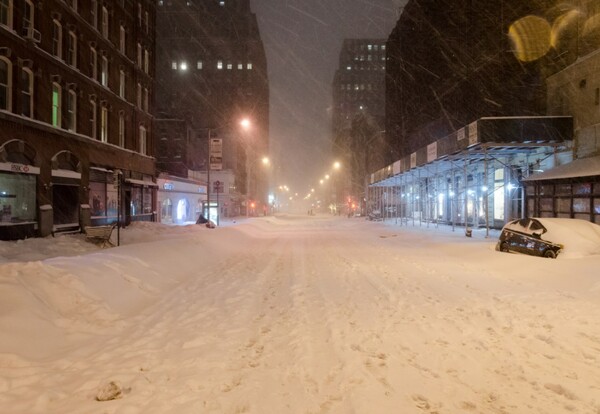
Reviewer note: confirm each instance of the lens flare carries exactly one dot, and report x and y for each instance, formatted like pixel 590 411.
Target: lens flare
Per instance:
pixel 530 37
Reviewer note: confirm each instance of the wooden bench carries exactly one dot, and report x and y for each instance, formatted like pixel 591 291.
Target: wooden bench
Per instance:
pixel 100 234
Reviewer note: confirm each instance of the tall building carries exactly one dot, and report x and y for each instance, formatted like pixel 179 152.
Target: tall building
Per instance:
pixel 452 62
pixel 211 74
pixel 75 114
pixel 358 115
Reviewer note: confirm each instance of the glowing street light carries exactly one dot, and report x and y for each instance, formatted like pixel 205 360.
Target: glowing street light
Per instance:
pixel 337 165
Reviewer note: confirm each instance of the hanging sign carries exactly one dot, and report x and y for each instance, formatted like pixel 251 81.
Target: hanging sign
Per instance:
pixel 216 154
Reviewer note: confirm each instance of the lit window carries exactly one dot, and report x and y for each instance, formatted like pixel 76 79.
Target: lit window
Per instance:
pixel 139 55
pixel 240 66
pixel 93 120
pixel 249 67
pixel 229 66
pixel 26 92
pixel 105 22
pixel 220 64
pixel 6 11
pixel 5 84
pixel 174 65
pixel 161 2
pixel 183 66
pixel 146 22
pixel 199 64
pixel 72 52
pixel 122 84
pixel 57 39
pixel 382 47
pixel 104 74
pixel 104 124
pixel 142 143
pixel 369 47
pixel 221 3
pixel 56 104
pixel 72 111
pixel 121 130
pixel 348 67
pixel 139 9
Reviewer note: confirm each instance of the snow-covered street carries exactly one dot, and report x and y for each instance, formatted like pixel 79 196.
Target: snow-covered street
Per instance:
pixel 297 314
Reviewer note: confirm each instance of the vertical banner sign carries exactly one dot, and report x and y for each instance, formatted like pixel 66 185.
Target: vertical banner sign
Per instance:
pixel 216 154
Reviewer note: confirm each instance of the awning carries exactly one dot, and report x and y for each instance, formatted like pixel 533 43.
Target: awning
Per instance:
pixel 141 182
pixel 582 167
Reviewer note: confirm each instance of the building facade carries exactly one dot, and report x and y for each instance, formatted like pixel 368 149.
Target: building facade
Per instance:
pixel 212 73
pixel 75 114
pixel 358 115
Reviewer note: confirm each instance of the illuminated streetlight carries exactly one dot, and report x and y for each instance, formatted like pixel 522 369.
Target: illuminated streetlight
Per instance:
pixel 266 161
pixel 245 123
pixel 337 165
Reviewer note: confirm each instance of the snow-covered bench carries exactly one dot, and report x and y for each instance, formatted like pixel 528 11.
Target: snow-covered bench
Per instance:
pixel 100 234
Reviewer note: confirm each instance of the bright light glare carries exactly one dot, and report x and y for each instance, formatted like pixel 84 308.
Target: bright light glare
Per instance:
pixel 183 66
pixel 266 161
pixel 337 165
pixel 245 123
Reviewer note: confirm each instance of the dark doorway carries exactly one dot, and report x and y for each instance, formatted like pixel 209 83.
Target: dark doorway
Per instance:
pixel 65 205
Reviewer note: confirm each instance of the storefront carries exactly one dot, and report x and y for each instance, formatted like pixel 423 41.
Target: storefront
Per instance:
pixel 18 205
pixel 180 201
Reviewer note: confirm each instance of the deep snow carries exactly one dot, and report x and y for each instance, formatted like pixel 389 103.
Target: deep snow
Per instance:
pixel 296 315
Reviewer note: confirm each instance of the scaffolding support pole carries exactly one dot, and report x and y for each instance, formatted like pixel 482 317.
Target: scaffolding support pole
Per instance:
pixel 487 192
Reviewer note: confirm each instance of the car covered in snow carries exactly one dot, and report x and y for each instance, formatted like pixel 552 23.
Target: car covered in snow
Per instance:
pixel 547 237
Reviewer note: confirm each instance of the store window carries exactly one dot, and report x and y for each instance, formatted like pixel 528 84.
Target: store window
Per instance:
pixel 17 197
pixel 166 212
pixel 147 197
pixel 136 201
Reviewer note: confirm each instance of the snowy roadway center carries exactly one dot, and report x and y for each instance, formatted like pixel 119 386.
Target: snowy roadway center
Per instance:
pixel 296 315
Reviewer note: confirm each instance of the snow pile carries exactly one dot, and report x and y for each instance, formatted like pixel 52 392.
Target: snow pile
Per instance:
pixel 579 237
pixel 296 315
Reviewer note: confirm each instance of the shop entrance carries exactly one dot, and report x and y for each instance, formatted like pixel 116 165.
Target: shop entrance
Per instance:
pixel 65 199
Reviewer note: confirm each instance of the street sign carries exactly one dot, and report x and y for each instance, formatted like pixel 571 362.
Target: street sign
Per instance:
pixel 218 187
pixel 216 154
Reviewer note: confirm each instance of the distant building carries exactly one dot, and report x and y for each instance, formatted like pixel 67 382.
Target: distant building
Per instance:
pixel 451 62
pixel 211 73
pixel 358 112
pixel 76 93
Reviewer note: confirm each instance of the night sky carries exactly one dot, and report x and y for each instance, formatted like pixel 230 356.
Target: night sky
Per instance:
pixel 303 39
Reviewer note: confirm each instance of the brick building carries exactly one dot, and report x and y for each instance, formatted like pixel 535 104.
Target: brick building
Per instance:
pixel 76 91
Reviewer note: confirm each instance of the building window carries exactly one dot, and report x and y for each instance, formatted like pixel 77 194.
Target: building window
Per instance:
pixel 73 4
pixel 142 144
pixel 183 66
pixel 122 84
pixel 229 66
pixel 104 124
pixel 121 130
pixel 93 119
pixel 139 96
pixel 139 14
pixel 122 39
pixel 220 64
pixel 174 65
pixel 240 66
pixel 199 65
pixel 93 63
pixel 147 22
pixel 249 67
pixel 5 84
pixel 146 61
pixel 104 72
pixel 6 12
pixel 27 92
pixel 94 13
pixel 105 22
pixel 72 111
pixel 72 53
pixel 146 99
pixel 139 55
pixel 56 104
pixel 57 39
pixel 28 15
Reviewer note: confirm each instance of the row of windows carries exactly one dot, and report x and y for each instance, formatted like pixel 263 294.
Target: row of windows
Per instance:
pixel 6 15
pixel 358 87
pixel 26 89
pixel 220 65
pixel 365 67
pixel 187 3
pixel 369 58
